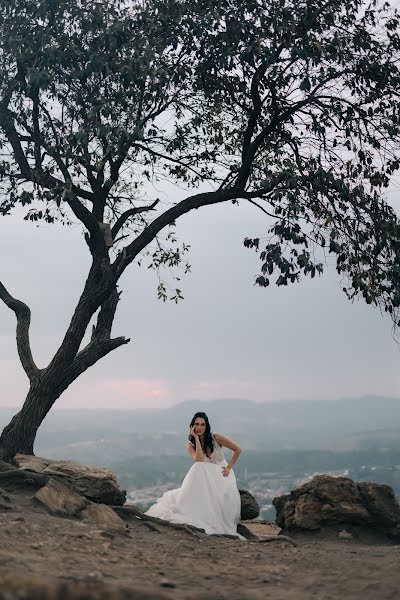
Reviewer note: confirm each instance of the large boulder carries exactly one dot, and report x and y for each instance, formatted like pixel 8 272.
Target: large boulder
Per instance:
pixel 60 500
pixel 95 483
pixel 249 506
pixel 335 502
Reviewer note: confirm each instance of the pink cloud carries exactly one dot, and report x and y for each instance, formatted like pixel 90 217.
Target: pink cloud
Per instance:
pixel 117 393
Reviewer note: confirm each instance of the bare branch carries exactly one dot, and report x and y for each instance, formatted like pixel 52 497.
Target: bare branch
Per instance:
pixel 128 214
pixel 105 318
pixel 23 314
pixel 93 352
pixel 262 208
pixel 165 157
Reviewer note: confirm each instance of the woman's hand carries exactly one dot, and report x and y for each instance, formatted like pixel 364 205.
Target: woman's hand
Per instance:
pixel 226 470
pixel 192 432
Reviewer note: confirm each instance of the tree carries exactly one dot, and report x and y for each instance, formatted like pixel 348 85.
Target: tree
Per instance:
pixel 291 106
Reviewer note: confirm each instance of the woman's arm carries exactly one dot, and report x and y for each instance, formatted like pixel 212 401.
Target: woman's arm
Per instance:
pixel 196 453
pixel 236 449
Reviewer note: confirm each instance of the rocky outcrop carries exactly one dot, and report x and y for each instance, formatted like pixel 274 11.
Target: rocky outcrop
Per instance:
pixel 95 483
pixel 249 506
pixel 59 500
pixel 334 502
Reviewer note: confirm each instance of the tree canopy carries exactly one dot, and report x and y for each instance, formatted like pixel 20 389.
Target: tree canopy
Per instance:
pixel 293 103
pixel 292 106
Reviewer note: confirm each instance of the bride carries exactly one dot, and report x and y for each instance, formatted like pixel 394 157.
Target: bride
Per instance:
pixel 209 497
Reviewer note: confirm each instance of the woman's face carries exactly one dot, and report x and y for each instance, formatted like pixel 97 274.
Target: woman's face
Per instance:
pixel 199 426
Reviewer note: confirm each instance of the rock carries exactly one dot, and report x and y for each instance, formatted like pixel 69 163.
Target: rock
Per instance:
pixel 95 483
pixel 37 545
pixel 332 502
pixel 94 576
pixel 106 534
pixel 60 500
pixel 167 584
pixel 249 506
pixel 381 503
pixel 104 517
pixel 345 535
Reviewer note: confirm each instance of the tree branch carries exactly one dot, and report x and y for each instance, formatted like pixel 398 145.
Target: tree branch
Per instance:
pixel 127 215
pixel 105 318
pixel 165 157
pixel 129 253
pixel 93 352
pixel 23 314
pixel 45 179
pixel 71 192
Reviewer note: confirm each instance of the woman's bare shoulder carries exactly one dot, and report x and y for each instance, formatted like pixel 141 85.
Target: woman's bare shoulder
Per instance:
pixel 218 438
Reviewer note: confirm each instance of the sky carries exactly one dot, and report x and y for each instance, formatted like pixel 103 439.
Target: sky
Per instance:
pixel 227 339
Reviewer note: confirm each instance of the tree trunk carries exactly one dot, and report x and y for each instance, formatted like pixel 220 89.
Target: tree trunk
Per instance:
pixel 19 435
pixel 46 385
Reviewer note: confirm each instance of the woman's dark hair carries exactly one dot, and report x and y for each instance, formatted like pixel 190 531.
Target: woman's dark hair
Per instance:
pixel 208 438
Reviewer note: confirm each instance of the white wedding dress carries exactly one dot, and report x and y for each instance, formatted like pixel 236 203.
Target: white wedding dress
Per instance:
pixel 206 498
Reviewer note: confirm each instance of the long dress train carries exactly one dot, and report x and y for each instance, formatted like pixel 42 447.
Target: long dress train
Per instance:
pixel 206 498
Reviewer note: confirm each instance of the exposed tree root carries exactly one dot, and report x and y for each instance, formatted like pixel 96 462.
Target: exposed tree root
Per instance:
pixel 151 526
pixel 274 538
pixel 29 476
pixel 5 466
pixel 130 511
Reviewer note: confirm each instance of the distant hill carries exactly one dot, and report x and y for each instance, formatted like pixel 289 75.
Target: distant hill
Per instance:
pixel 112 435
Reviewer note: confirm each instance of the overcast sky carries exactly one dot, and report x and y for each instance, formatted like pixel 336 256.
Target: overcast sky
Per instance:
pixel 227 339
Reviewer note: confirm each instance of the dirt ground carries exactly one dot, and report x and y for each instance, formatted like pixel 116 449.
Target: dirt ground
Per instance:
pixel 38 547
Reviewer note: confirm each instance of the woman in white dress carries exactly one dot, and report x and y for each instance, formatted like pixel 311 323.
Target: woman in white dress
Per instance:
pixel 209 497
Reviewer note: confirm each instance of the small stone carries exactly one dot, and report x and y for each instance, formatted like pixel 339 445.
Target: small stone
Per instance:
pixel 345 535
pixel 107 534
pixel 95 576
pixel 37 545
pixel 19 529
pixel 81 535
pixel 167 584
